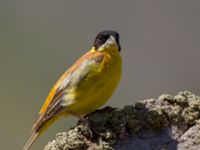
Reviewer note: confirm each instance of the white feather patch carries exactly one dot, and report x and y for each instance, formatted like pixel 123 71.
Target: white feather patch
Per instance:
pixel 110 41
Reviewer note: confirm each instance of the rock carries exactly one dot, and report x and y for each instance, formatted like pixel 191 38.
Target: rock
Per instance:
pixel 166 123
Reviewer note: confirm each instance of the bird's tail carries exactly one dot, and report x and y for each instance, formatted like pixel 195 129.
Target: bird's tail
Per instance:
pixel 39 127
pixel 30 141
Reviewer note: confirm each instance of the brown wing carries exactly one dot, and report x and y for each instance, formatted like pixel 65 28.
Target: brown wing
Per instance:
pixel 54 108
pixel 53 104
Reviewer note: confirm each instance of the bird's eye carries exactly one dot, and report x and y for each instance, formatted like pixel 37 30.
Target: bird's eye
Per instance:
pixel 101 38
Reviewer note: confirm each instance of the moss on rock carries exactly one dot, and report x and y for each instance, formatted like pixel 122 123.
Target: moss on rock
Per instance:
pixel 167 117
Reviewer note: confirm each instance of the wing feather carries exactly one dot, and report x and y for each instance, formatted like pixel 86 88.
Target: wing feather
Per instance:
pixel 53 104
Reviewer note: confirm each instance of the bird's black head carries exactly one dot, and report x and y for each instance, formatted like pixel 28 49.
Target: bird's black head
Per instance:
pixel 106 38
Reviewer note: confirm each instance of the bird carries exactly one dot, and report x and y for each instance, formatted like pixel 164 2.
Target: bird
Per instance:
pixel 85 86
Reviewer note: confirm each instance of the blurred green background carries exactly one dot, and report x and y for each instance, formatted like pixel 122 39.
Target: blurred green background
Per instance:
pixel 40 39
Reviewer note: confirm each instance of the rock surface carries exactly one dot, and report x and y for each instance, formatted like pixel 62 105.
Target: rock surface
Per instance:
pixel 166 123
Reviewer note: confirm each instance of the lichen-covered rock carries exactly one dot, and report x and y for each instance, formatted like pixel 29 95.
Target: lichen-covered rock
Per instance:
pixel 190 140
pixel 167 123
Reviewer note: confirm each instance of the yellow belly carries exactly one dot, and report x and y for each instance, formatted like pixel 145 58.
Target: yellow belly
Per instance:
pixel 96 91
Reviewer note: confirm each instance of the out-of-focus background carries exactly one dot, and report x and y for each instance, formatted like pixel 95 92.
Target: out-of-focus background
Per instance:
pixel 40 39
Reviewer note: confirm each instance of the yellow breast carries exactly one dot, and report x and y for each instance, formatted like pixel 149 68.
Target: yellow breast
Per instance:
pixel 98 87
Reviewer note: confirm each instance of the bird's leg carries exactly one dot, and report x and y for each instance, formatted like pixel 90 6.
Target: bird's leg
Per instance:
pixel 86 122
